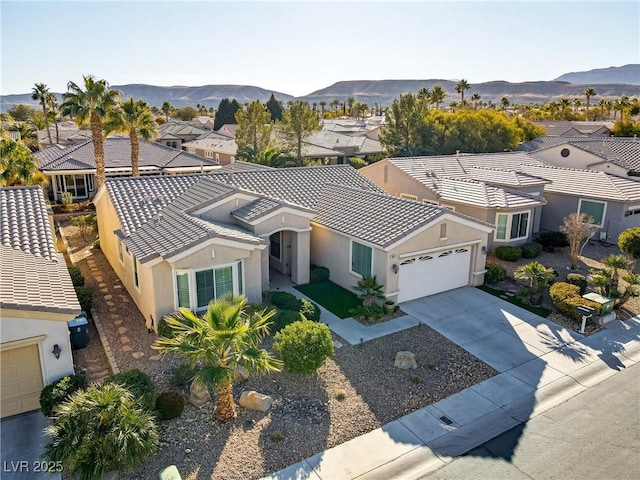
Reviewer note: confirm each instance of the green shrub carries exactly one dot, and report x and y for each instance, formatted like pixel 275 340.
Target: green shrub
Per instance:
pixel 284 318
pixel 304 346
pixel 531 250
pixel 551 240
pixel 164 330
pixel 169 405
pixel 310 310
pixel 85 298
pixel 495 273
pixel 318 274
pixel 182 374
pixel 510 254
pixel 566 298
pixel 254 308
pixel 280 299
pixel 86 224
pixel 67 198
pixel 367 313
pixel 579 280
pixel 356 162
pixel 139 384
pixel 96 244
pixel 59 391
pixel 562 290
pixel 570 306
pixel 76 276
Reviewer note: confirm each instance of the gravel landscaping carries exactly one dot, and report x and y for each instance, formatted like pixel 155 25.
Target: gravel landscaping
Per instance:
pixel 357 391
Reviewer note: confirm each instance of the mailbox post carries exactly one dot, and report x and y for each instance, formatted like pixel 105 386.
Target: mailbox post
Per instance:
pixel 586 312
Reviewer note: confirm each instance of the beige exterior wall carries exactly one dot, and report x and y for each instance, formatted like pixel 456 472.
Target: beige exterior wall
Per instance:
pixel 396 182
pixel 578 158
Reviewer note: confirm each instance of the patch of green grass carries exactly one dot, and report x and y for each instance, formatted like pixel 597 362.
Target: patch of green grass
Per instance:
pixel 541 311
pixel 334 298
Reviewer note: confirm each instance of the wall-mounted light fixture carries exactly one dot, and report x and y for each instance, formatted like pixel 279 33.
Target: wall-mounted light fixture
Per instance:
pixel 395 268
pixel 484 249
pixel 56 351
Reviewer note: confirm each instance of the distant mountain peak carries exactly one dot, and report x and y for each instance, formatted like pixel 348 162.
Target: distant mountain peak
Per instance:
pixel 626 74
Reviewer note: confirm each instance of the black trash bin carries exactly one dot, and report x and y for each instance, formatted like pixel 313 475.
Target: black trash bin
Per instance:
pixel 78 332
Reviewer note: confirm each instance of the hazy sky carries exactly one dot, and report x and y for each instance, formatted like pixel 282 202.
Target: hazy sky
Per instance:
pixel 299 47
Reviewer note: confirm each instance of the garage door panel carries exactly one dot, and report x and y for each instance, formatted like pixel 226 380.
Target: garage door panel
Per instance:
pixel 434 273
pixel 21 380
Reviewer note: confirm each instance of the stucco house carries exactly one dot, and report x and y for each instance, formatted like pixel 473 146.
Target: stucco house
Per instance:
pixel 214 146
pixel 613 201
pixel 174 134
pixel 180 241
pixel 72 169
pixel 37 300
pixel 492 188
pixel 617 155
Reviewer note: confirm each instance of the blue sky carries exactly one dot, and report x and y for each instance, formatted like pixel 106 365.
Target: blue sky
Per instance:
pixel 299 47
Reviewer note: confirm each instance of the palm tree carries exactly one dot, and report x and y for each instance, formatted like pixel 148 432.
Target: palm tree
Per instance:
pixel 539 277
pixel 100 430
pixel 351 101
pixel 133 117
pixel 423 94
pixel 623 103
pixel 54 110
pixel 224 338
pixel 41 93
pixel 368 289
pixel 322 105
pixel 438 95
pixel 589 92
pixel 475 98
pixel 91 105
pixel 461 86
pixel 166 109
pixel 616 263
pixel 504 101
pixel 17 165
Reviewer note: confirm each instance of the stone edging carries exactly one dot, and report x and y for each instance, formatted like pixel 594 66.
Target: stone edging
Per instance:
pixel 105 343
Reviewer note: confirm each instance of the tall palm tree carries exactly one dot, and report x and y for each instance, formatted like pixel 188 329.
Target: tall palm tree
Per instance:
pixel 438 95
pixel 504 101
pixel 41 92
pixel 351 101
pixel 54 110
pixel 99 431
pixel 539 277
pixel 475 98
pixel 166 109
pixel 224 338
pixel 589 92
pixel 132 117
pixel 461 86
pixel 91 105
pixel 322 105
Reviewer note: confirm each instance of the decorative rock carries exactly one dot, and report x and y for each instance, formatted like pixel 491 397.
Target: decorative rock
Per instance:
pixel 199 394
pixel 405 360
pixel 137 355
pixel 121 330
pixel 155 358
pixel 108 297
pixel 124 339
pixel 337 344
pixel 255 401
pixel 187 451
pixel 241 374
pixel 126 348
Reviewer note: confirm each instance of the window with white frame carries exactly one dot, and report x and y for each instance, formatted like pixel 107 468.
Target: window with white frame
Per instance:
pixel 74 184
pixel 196 288
pixel 512 226
pixel 593 208
pixel 361 259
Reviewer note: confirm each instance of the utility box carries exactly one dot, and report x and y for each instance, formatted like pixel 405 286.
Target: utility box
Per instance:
pixel 606 304
pixel 78 332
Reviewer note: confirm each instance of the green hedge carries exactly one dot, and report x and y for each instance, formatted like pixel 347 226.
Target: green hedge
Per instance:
pixel 510 254
pixel 59 391
pixel 139 384
pixel 85 298
pixel 280 299
pixel 495 273
pixel 566 298
pixel 318 274
pixel 531 250
pixel 284 318
pixel 76 276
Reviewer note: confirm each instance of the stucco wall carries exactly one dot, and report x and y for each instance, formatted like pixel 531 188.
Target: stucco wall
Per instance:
pixel 576 159
pixel 395 182
pixel 56 332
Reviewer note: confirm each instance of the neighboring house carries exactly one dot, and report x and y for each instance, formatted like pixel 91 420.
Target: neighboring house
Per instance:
pixel 344 145
pixel 228 129
pixel 180 241
pixel 174 134
pixel 72 169
pixel 68 134
pixel 214 146
pixel 617 155
pixel 37 300
pixel 491 188
pixel 613 202
pixel 203 122
pixel 565 128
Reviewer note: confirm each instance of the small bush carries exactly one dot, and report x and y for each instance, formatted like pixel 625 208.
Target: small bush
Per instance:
pixel 277 436
pixel 182 374
pixel 169 405
pixel 562 290
pixel 356 162
pixel 566 298
pixel 318 274
pixel 531 250
pixel 510 254
pixel 310 310
pixel 67 198
pixel 570 307
pixel 341 394
pixel 164 330
pixel 551 240
pixel 495 273
pixel 59 391
pixel 85 298
pixel 280 299
pixel 284 318
pixel 139 384
pixel 579 280
pixel 76 276
pixel 96 244
pixel 304 346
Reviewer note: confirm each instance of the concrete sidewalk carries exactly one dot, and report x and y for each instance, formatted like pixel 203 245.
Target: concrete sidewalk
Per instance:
pixel 541 365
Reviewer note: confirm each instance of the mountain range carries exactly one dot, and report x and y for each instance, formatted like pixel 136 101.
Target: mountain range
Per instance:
pixel 609 83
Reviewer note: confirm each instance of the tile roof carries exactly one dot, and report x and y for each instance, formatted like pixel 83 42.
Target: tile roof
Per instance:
pixel 479 193
pixel 220 144
pixel 256 209
pixel 622 151
pixel 33 276
pixel 587 183
pixel 117 155
pixel 498 176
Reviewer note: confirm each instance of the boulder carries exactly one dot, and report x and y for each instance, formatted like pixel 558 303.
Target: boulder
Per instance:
pixel 199 394
pixel 241 374
pixel 255 401
pixel 405 360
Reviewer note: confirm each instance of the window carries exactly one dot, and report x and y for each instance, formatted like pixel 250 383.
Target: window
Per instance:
pixel 212 284
pixel 408 196
pixel 594 208
pixel 361 259
pixel 136 279
pixel 512 226
pixel 75 184
pixel 443 231
pixel 275 245
pixel 182 287
pixel 120 250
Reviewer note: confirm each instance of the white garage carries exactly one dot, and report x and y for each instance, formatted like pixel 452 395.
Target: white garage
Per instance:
pixel 21 380
pixel 432 273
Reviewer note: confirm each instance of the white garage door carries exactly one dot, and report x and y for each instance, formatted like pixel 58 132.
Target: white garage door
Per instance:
pixel 433 273
pixel 21 380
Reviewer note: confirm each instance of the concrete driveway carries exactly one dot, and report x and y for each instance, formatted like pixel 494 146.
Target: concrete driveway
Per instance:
pixel 22 443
